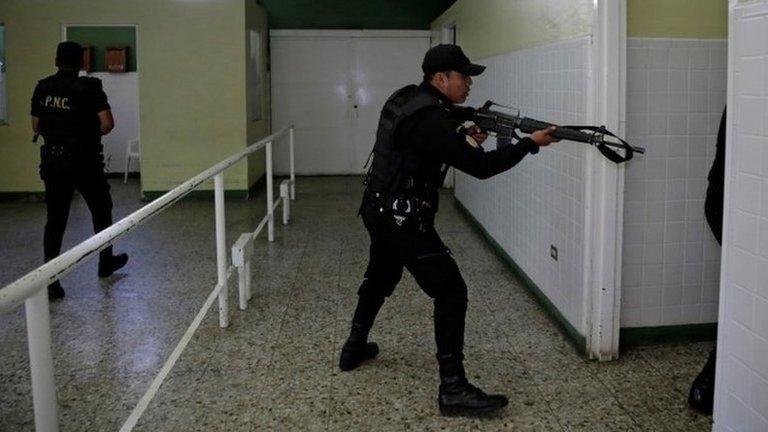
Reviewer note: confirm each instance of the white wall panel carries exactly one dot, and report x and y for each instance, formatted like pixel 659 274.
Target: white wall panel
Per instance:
pixel 332 85
pixel 741 400
pixel 541 201
pixel 675 97
pixel 123 94
pixel 310 88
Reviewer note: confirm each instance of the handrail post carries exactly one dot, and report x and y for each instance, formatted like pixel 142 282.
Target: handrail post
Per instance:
pixel 241 259
pixel 41 361
pixel 286 200
pixel 293 168
pixel 248 271
pixel 221 249
pixel 270 202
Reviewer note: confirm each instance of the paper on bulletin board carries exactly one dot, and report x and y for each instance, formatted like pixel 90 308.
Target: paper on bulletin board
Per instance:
pixel 254 76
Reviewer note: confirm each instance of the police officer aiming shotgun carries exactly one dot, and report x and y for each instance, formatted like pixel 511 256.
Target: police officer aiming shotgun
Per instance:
pixel 419 137
pixel 72 113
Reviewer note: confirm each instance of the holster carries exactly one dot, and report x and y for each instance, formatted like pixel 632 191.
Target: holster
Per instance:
pixel 57 161
pixel 405 211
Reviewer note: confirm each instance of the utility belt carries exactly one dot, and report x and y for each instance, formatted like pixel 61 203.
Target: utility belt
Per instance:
pixel 57 160
pixel 406 211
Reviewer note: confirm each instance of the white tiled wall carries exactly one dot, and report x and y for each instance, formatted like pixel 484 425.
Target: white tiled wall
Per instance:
pixel 741 402
pixel 676 92
pixel 540 202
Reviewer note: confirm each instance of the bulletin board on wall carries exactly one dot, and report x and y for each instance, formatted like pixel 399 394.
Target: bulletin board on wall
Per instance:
pixel 3 67
pixel 103 37
pixel 255 71
pixel 2 45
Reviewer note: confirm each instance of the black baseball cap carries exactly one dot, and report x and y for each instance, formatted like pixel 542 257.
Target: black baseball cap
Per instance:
pixel 446 57
pixel 69 53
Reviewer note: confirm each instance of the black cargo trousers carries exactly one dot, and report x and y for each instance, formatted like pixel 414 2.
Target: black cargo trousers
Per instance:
pixel 422 252
pixel 91 181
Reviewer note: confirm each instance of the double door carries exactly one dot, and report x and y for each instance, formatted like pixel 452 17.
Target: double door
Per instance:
pixel 331 85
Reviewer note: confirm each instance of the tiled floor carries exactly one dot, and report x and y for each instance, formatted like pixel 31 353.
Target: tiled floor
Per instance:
pixel 275 369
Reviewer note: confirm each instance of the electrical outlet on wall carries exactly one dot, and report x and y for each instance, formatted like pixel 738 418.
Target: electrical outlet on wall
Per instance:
pixel 553 252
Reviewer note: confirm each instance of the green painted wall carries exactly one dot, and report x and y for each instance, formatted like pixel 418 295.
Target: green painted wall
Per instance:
pixel 100 38
pixel 698 19
pixel 487 28
pixel 191 85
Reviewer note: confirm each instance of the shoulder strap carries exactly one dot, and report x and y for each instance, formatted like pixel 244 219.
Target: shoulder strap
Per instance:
pixel 611 155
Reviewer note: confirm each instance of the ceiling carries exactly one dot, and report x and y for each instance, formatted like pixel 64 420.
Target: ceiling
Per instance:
pixel 354 14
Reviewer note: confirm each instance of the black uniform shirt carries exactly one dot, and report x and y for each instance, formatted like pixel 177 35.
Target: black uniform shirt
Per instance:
pixel 432 132
pixel 68 107
pixel 717 172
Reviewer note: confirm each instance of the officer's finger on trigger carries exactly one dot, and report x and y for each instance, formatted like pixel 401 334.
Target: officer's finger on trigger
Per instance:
pixel 550 131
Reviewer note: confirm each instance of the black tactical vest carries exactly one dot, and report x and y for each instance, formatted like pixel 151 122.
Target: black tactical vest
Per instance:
pixel 67 123
pixel 390 163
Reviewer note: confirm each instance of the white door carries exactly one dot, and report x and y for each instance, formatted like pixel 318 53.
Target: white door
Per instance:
pixel 310 80
pixel 123 95
pixel 380 65
pixel 741 387
pixel 331 86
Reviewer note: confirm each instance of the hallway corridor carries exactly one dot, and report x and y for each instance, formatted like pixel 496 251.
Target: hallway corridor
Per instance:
pixel 275 368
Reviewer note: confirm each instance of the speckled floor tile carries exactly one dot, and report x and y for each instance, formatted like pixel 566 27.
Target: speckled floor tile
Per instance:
pixel 672 420
pixel 275 367
pixel 678 360
pixel 16 400
pixel 527 411
pixel 631 364
pixel 308 411
pixel 165 410
pixel 587 407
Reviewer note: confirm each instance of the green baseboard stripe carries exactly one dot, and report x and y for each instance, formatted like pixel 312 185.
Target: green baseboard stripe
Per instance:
pixel 148 196
pixel 23 196
pixel 636 336
pixel 260 184
pixel 628 337
pixel 578 340
pixel 208 194
pixel 119 175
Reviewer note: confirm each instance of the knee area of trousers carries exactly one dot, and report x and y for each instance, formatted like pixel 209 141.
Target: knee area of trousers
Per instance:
pixel 107 203
pixel 456 301
pixel 56 221
pixel 376 288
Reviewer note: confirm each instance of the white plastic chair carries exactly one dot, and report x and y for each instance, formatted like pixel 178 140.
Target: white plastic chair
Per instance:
pixel 132 151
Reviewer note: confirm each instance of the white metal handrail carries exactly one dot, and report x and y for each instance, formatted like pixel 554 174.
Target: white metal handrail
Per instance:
pixel 30 288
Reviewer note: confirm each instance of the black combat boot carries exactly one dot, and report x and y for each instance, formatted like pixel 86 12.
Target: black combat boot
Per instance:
pixel 702 394
pixel 357 349
pixel 109 265
pixel 55 291
pixel 457 397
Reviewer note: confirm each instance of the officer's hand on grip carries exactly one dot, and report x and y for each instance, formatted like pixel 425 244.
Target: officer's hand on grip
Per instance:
pixel 544 137
pixel 477 134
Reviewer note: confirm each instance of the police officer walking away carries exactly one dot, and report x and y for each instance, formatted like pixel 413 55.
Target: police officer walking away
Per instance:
pixel 701 396
pixel 72 113
pixel 419 136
